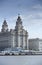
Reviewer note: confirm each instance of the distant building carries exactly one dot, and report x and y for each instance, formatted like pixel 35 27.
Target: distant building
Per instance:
pixel 35 44
pixel 17 37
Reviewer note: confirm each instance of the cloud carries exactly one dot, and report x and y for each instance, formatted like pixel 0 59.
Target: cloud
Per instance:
pixel 31 14
pixel 38 6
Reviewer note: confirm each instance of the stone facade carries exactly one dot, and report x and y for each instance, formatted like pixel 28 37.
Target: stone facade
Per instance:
pixel 35 44
pixel 17 37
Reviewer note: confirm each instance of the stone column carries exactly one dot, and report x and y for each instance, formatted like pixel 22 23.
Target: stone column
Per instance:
pixel 13 42
pixel 27 43
pixel 24 42
pixel 21 41
pixel 18 40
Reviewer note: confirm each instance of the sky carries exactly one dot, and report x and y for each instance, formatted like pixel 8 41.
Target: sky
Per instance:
pixel 30 12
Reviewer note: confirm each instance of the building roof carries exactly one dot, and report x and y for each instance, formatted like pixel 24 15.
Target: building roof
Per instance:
pixel 4 23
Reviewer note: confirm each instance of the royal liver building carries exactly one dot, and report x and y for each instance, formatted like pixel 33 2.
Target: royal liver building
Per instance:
pixel 17 37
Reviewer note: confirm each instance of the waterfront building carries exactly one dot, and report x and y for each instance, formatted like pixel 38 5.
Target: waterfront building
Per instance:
pixel 17 37
pixel 35 44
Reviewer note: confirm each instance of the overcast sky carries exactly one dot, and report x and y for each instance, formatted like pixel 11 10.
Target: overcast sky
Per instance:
pixel 30 12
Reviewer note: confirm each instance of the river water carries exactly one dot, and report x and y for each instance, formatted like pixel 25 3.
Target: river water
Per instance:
pixel 21 60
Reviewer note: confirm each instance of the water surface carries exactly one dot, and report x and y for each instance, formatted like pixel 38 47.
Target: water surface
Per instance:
pixel 21 60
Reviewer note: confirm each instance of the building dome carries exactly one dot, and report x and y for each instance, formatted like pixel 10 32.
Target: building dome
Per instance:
pixel 18 23
pixel 4 26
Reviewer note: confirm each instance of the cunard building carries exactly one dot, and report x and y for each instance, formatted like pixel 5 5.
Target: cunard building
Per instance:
pixel 17 37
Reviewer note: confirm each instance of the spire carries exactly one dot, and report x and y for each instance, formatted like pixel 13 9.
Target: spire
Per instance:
pixel 19 18
pixel 4 26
